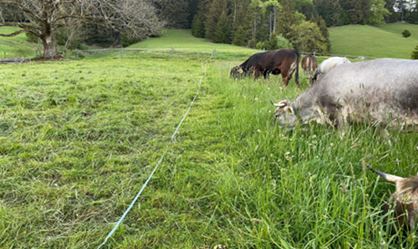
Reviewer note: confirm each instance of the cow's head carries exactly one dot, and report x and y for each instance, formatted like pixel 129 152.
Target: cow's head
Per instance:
pixel 284 113
pixel 236 72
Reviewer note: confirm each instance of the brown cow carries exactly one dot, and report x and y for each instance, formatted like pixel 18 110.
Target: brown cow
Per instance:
pixel 309 64
pixel 404 200
pixel 284 61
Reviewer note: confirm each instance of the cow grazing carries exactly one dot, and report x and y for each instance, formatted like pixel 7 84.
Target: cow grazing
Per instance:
pixel 309 64
pixel 404 200
pixel 248 66
pixel 284 61
pixel 383 91
pixel 329 64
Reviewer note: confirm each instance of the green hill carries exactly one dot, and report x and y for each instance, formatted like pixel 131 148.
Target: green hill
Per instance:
pixel 16 46
pixel 378 42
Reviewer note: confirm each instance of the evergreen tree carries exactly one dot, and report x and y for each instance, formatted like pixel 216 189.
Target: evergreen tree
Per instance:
pixel 202 10
pixel 324 31
pixel 307 8
pixel 307 37
pixel 215 10
pixel 366 8
pixel 198 30
pixel 176 13
pixel 414 54
pixel 253 19
pixel 329 10
pixel 354 10
pixel 192 7
pixel 393 16
pixel 222 32
pixel 273 42
pixel 286 17
pixel 239 39
pixel 413 16
pixel 378 12
pixel 239 20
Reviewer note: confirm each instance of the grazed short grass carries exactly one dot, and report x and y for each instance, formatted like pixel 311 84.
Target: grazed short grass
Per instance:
pixel 78 140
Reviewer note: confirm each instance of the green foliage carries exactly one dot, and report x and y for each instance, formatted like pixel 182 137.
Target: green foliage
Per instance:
pixel 212 17
pixel 176 13
pixel 239 39
pixel 414 54
pixel 127 40
pixel 198 30
pixel 31 37
pixel 252 43
pixel 329 10
pixel 260 45
pixel 222 32
pixel 353 8
pixel 273 42
pixel 406 33
pixel 283 42
pixel 70 36
pixel 378 12
pixel 286 18
pixel 307 37
pixel 324 31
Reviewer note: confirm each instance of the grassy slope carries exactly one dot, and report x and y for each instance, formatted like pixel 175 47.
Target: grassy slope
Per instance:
pixel 16 46
pixel 378 42
pixel 183 40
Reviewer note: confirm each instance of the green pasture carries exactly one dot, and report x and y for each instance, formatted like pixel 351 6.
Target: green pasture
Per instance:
pixel 383 41
pixel 79 138
pixel 16 46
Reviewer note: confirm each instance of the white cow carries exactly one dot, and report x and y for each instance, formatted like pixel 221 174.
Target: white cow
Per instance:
pixel 329 64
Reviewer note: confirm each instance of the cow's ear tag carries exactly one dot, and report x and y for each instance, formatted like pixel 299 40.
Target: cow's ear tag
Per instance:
pixel 288 109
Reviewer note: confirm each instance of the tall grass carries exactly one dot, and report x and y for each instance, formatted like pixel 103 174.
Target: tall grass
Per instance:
pixel 78 139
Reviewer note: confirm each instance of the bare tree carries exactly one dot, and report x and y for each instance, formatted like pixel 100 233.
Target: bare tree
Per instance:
pixel 136 18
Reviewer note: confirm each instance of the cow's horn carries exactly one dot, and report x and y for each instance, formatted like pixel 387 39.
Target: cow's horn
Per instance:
pixel 280 104
pixel 387 177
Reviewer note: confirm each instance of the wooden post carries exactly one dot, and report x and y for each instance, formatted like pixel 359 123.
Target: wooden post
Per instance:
pixel 365 57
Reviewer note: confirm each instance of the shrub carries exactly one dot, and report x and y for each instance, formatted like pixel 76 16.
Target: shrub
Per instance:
pixel 414 54
pixel 252 43
pixel 31 37
pixel 260 45
pixel 406 33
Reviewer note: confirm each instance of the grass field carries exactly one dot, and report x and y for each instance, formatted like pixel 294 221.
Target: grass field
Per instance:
pixel 383 41
pixel 78 140
pixel 16 46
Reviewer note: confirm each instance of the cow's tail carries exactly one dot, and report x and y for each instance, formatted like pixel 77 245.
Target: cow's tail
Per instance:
pixel 297 68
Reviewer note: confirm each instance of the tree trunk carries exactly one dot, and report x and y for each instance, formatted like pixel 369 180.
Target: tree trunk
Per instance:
pixel 49 42
pixel 274 18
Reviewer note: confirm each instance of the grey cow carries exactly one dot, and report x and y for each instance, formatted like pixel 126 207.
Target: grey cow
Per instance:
pixel 383 91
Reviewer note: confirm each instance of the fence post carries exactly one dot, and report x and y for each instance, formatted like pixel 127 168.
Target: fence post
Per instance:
pixel 214 52
pixel 171 52
pixel 264 50
pixel 365 57
pixel 313 53
pixel 162 53
pixel 177 54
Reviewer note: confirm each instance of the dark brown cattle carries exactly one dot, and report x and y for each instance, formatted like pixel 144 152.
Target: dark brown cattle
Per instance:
pixel 404 201
pixel 247 67
pixel 281 61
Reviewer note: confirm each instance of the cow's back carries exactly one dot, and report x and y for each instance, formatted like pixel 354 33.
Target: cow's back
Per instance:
pixel 378 85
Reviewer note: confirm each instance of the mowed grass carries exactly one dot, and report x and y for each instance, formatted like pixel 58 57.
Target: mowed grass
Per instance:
pixel 383 41
pixel 78 140
pixel 183 40
pixel 16 46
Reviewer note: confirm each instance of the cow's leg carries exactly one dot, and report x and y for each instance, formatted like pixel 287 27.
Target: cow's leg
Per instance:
pixel 285 80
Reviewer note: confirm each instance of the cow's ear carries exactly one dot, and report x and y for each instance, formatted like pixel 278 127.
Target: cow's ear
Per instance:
pixel 289 109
